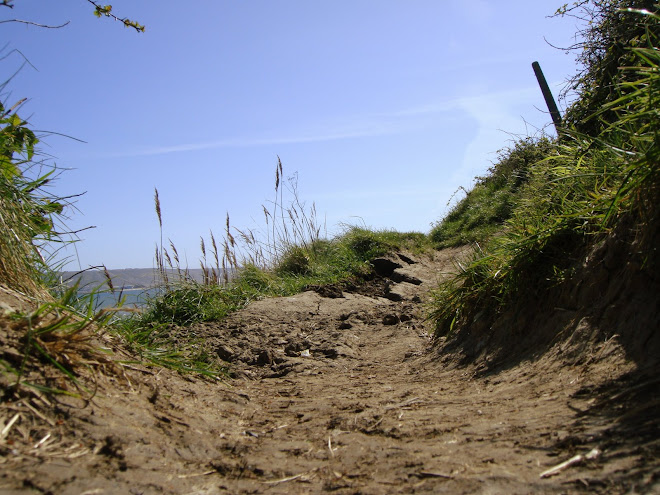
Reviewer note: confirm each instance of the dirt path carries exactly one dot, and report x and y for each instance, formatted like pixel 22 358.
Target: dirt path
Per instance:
pixel 337 392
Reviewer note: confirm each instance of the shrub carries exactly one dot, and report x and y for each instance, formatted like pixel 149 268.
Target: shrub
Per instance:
pixel 603 47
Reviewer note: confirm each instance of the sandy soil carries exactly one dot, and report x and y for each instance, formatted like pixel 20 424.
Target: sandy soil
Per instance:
pixel 341 391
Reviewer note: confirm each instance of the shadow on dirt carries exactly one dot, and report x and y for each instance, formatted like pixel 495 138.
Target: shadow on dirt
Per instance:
pixel 623 422
pixel 611 302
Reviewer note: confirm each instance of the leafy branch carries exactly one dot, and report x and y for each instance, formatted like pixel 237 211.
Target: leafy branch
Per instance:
pixel 106 11
pixel 99 11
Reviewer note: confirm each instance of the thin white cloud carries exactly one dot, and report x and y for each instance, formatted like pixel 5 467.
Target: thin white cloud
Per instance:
pixel 485 107
pixel 478 103
pixel 366 128
pixel 498 123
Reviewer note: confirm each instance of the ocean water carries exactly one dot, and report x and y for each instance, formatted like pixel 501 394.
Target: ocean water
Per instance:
pixel 132 298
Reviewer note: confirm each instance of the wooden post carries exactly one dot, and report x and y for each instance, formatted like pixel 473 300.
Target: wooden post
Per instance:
pixel 547 94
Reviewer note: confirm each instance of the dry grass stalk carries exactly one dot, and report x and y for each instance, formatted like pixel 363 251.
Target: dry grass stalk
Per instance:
pixel 158 213
pixel 108 279
pixel 286 225
pixel 17 251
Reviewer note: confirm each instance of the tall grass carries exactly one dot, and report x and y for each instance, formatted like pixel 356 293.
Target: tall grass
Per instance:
pixel 284 256
pixel 571 198
pixel 288 224
pixel 27 210
pixel 52 336
pixel 289 252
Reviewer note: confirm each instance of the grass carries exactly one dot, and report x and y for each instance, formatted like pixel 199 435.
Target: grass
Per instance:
pixel 56 336
pixel 28 210
pixel 546 201
pixel 286 256
pixel 494 197
pixel 46 347
pixel 570 199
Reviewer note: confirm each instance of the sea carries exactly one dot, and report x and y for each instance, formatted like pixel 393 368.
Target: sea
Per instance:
pixel 128 298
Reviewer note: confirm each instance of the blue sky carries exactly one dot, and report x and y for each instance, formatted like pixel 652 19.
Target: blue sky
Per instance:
pixel 382 107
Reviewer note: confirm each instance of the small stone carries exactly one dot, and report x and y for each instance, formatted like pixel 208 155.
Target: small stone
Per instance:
pixel 225 353
pixel 399 277
pixel 406 259
pixel 296 345
pixel 393 296
pixel 265 357
pixel 329 352
pixel 390 319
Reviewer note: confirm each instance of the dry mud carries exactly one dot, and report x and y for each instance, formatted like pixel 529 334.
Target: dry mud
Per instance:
pixel 342 392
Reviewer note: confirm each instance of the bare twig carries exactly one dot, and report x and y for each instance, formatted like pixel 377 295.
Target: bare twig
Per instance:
pixel 195 475
pixel 332 451
pixel 35 23
pixel 5 430
pixel 39 414
pixel 302 477
pixel 41 442
pixel 409 402
pixel 577 459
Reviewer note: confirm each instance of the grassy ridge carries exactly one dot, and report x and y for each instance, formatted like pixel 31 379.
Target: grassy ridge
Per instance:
pixel 319 263
pixel 571 197
pixel 322 262
pixel 492 200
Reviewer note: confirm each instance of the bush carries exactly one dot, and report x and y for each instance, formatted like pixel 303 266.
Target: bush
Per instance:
pixel 603 47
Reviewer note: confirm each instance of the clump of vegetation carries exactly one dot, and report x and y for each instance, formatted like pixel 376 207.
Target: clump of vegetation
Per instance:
pixel 284 259
pixel 57 331
pixel 28 211
pixel 571 198
pixel 56 335
pixel 494 197
pixel 611 28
